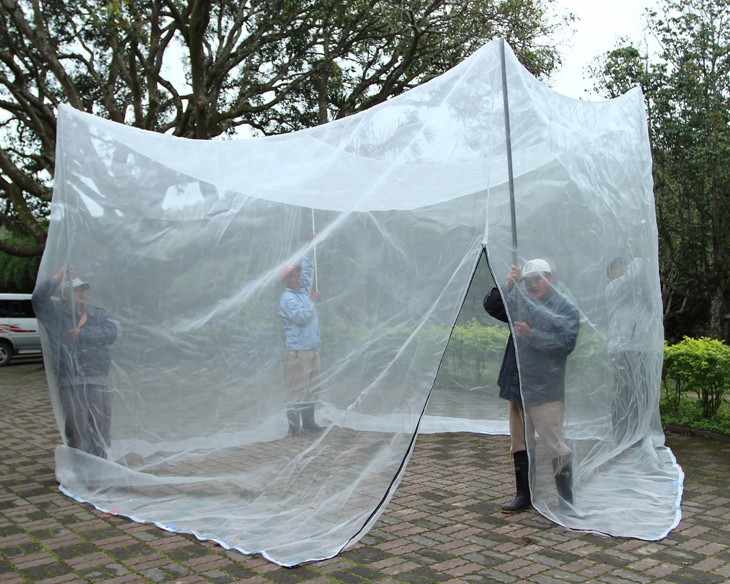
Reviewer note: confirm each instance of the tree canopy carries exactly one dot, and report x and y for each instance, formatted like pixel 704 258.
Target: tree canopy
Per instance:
pixel 686 84
pixel 205 68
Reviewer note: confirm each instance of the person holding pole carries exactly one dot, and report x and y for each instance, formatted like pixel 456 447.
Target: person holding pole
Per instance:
pixel 630 323
pixel 544 332
pixel 298 313
pixel 80 336
pixel 545 325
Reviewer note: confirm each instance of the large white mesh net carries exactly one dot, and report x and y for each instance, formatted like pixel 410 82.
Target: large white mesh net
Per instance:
pixel 183 413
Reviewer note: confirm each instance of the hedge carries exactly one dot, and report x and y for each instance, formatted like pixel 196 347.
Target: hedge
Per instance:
pixel 701 366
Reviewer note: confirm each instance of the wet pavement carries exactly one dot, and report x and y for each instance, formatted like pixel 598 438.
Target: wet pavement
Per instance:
pixel 442 526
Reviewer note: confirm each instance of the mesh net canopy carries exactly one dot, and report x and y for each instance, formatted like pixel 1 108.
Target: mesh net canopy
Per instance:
pixel 182 394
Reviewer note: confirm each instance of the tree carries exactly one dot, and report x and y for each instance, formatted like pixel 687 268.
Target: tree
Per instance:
pixel 686 86
pixel 203 68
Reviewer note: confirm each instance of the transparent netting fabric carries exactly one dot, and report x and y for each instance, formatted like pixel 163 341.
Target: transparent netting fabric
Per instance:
pixel 183 244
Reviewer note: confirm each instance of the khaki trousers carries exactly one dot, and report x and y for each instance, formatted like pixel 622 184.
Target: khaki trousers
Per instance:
pixel 303 374
pixel 547 419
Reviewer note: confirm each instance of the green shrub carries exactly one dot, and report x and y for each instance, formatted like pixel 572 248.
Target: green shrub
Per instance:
pixel 472 348
pixel 701 366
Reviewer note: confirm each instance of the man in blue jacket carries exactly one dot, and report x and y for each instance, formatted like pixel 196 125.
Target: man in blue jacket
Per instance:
pixel 298 313
pixel 79 336
pixel 545 324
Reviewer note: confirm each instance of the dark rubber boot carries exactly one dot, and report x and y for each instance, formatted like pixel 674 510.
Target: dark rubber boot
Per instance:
pixel 308 422
pixel 563 468
pixel 294 428
pixel 522 479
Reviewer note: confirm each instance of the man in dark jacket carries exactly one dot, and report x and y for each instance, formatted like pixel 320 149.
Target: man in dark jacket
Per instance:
pixel 545 324
pixel 79 336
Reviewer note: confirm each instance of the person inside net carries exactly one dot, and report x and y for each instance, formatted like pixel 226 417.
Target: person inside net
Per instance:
pixel 544 328
pixel 630 323
pixel 298 313
pixel 80 336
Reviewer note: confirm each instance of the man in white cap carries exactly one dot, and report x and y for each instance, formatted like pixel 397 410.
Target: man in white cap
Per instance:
pixel 545 324
pixel 79 336
pixel 298 313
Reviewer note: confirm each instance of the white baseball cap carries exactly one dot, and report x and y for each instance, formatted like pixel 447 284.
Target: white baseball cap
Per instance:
pixel 76 283
pixel 536 267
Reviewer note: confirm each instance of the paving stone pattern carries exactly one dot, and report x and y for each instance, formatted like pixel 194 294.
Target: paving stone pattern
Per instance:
pixel 443 525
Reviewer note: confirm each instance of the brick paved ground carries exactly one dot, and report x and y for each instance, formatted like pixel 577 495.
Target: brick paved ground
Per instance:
pixel 443 525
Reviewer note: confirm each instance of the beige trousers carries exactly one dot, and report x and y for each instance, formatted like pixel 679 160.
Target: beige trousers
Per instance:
pixel 303 374
pixel 547 419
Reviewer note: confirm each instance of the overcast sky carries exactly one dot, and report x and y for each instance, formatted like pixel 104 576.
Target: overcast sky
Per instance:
pixel 600 24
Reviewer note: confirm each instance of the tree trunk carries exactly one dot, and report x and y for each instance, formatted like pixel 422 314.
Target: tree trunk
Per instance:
pixel 199 20
pixel 719 321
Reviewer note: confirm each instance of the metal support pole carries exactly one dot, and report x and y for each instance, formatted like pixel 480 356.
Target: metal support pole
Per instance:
pixel 510 174
pixel 314 254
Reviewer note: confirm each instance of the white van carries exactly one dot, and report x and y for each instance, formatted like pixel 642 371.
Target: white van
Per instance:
pixel 18 327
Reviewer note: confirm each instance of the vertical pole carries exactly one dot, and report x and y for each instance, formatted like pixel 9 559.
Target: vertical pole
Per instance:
pixel 314 249
pixel 510 174
pixel 60 187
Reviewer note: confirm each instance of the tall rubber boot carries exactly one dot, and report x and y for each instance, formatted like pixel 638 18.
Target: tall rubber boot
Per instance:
pixel 294 428
pixel 308 422
pixel 563 469
pixel 522 479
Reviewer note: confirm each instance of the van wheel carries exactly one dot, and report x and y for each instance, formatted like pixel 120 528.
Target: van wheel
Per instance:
pixel 6 352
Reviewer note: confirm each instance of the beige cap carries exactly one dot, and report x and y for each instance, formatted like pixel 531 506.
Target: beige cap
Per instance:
pixel 536 267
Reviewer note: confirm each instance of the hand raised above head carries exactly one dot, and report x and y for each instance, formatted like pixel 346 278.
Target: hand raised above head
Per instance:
pixel 513 276
pixel 61 274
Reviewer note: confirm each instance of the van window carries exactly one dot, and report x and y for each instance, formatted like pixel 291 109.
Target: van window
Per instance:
pixel 22 309
pixel 16 309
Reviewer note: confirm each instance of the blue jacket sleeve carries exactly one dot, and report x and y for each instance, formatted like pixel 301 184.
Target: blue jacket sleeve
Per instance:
pixel 297 308
pixel 563 333
pixel 102 332
pixel 42 303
